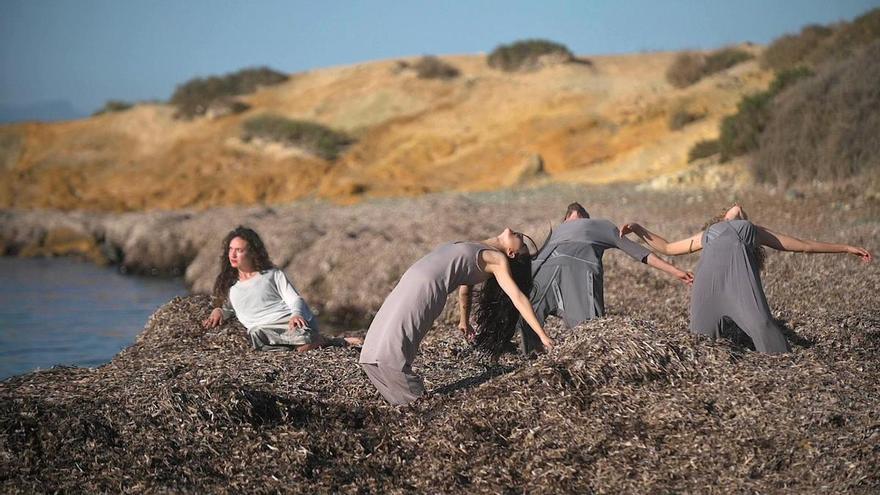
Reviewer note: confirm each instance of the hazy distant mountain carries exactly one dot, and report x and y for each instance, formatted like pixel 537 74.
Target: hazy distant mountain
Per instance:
pixel 47 110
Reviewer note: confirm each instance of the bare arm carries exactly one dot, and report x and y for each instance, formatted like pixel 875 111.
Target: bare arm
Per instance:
pixel 464 306
pixel 783 242
pixel 497 265
pixel 687 245
pixel 686 277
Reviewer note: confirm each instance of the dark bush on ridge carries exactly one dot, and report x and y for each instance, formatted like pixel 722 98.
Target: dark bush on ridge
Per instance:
pixel 848 37
pixel 792 49
pixel 686 69
pixel 704 148
pixel 527 54
pixel 690 67
pixel 316 138
pixel 817 44
pixel 741 131
pixel 826 127
pixel 113 106
pixel 724 59
pixel 431 67
pixel 193 97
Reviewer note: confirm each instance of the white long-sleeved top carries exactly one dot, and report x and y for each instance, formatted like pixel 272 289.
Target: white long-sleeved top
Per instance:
pixel 265 299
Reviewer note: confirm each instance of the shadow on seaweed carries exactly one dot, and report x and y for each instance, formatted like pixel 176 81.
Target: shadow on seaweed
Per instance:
pixel 474 381
pixel 793 337
pixel 730 331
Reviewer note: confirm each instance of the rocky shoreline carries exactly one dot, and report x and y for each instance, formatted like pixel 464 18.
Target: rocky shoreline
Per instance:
pixel 347 258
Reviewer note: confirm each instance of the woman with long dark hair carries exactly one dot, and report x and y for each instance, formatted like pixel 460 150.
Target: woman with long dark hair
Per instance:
pixel 418 299
pixel 727 283
pixel 262 298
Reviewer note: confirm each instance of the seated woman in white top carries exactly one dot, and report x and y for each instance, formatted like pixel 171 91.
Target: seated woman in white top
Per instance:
pixel 263 299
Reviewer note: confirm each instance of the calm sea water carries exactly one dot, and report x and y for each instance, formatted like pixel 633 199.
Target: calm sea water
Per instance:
pixel 63 311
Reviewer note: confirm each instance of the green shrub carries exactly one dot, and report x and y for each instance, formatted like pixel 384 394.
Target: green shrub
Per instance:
pixel 686 69
pixel 815 45
pixel 704 148
pixel 682 117
pixel 825 127
pixel 526 54
pixel 431 67
pixel 316 138
pixel 740 132
pixel 195 96
pixel 724 58
pixel 113 106
pixel 787 77
pixel 847 38
pixel 690 67
pixel 793 49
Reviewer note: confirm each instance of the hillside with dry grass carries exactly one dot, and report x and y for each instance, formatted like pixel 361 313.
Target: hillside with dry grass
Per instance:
pixel 408 127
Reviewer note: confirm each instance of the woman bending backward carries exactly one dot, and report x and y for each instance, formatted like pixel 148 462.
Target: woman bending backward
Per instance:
pixel 727 283
pixel 418 299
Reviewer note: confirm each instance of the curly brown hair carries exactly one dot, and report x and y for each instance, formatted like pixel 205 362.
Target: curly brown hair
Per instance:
pixel 228 275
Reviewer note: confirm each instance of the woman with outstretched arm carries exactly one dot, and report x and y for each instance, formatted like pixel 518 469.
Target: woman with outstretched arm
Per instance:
pixel 727 283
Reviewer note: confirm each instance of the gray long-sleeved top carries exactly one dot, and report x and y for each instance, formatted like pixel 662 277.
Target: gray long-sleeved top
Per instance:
pixel 267 298
pixel 586 240
pixel 568 273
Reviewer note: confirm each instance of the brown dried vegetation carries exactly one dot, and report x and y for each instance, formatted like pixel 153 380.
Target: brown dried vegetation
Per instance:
pixel 826 127
pixel 690 67
pixel 630 403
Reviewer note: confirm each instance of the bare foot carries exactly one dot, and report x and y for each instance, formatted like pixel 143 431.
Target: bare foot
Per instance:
pixel 353 341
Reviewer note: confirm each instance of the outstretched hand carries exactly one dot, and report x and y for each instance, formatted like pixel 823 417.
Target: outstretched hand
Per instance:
pixel 628 228
pixel 214 319
pixel 861 253
pixel 547 342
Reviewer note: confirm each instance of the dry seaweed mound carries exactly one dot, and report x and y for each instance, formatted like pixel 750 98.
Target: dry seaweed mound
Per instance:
pixel 622 404
pixel 629 403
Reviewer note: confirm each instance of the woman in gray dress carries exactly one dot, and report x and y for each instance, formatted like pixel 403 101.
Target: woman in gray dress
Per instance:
pixel 727 283
pixel 419 297
pixel 569 274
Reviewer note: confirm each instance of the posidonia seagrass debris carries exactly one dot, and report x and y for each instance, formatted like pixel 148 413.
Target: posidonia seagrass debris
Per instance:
pixel 629 403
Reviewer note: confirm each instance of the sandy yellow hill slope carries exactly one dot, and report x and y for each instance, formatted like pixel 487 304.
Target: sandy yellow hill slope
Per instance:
pixel 596 122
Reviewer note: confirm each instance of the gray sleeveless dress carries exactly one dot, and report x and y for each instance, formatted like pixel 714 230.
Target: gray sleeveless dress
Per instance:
pixel 727 284
pixel 568 273
pixel 409 312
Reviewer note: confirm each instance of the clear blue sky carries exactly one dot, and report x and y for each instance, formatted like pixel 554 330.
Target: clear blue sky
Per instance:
pixel 89 51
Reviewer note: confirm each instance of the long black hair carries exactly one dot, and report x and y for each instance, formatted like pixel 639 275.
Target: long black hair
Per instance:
pixel 494 313
pixel 228 274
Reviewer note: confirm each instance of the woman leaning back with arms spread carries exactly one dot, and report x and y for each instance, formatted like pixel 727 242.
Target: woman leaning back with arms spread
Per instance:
pixel 501 264
pixel 727 283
